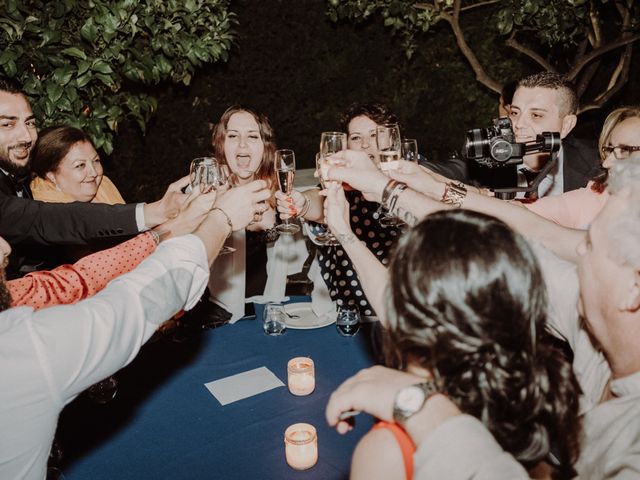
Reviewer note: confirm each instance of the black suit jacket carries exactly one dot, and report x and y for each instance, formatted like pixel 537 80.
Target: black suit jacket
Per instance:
pixel 26 223
pixel 581 163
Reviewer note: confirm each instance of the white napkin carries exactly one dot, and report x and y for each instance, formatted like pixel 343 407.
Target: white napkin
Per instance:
pixel 243 385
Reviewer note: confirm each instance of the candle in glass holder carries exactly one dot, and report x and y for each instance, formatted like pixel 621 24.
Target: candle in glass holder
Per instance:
pixel 301 446
pixel 301 376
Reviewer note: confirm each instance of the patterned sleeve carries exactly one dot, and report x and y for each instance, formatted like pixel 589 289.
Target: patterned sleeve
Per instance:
pixel 70 283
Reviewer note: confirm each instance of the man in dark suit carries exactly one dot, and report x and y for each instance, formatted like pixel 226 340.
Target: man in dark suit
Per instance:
pixel 25 223
pixel 543 102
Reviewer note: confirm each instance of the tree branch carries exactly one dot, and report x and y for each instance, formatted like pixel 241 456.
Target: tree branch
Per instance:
pixel 573 73
pixel 480 4
pixel 619 78
pixel 513 43
pixel 481 75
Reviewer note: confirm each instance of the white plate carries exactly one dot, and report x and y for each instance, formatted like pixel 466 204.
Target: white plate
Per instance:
pixel 306 319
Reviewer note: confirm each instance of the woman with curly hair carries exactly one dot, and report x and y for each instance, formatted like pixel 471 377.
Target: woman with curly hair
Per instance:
pixel 466 308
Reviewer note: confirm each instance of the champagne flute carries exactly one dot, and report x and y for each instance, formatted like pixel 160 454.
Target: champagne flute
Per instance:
pixel 409 150
pixel 389 145
pixel 286 170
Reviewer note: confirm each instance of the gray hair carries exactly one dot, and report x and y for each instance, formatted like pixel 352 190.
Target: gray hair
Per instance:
pixel 624 234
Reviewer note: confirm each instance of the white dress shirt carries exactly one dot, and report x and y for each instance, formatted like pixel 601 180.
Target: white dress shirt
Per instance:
pixel 49 356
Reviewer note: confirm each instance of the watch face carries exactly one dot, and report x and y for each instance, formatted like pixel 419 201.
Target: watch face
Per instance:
pixel 410 398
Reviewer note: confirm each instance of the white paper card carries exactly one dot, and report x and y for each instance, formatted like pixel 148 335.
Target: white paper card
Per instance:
pixel 243 385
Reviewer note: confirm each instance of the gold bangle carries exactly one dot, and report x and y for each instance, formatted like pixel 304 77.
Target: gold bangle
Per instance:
pixel 227 218
pixel 454 194
pixel 305 206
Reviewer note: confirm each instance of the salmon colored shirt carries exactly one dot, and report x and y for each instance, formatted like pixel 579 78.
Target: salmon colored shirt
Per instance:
pixel 574 209
pixel 71 283
pixel 407 447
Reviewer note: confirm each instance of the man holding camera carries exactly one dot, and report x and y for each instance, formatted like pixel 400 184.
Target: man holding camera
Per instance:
pixel 547 102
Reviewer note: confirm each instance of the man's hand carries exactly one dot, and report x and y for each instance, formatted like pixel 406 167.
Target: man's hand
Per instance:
pixel 244 204
pixel 354 168
pixel 418 178
pixel 372 390
pixel 168 206
pixel 193 211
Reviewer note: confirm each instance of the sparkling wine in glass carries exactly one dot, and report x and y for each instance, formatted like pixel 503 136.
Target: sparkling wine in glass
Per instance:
pixel 286 171
pixel 409 150
pixel 389 145
pixel 322 234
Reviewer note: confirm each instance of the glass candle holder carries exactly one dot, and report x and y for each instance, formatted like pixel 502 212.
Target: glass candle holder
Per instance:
pixel 301 446
pixel 301 377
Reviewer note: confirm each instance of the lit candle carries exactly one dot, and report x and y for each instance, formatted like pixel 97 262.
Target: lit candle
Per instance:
pixel 301 376
pixel 301 446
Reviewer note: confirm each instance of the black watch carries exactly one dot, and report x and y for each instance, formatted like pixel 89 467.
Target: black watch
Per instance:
pixel 411 399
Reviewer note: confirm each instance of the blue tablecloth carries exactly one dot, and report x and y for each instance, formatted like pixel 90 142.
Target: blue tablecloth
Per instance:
pixel 164 423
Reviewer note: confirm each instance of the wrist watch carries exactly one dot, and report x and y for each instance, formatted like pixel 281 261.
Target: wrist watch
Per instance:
pixel 411 399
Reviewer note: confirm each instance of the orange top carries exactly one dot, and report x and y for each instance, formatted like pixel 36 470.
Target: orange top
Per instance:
pixel 71 283
pixel 407 447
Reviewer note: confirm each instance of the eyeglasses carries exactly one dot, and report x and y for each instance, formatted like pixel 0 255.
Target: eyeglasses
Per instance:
pixel 620 151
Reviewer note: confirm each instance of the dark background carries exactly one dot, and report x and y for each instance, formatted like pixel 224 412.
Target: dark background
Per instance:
pixel 291 63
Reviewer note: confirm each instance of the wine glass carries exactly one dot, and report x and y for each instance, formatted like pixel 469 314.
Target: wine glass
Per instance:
pixel 207 174
pixel 389 145
pixel 286 170
pixel 409 150
pixel 348 320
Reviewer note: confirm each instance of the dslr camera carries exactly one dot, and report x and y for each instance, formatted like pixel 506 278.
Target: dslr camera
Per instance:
pixel 496 146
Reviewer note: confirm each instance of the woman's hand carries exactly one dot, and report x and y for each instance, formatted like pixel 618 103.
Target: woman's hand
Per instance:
pixel 336 210
pixel 289 205
pixel 266 220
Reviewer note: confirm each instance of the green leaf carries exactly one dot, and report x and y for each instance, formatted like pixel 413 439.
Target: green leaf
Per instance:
pixel 89 31
pixel 83 80
pixel 54 92
pixel 83 66
pixel 74 52
pixel 63 75
pixel 102 67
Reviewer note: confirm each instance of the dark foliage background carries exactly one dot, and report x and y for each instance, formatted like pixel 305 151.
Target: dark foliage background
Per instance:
pixel 301 70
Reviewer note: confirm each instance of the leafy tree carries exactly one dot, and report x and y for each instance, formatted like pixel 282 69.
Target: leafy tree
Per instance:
pixel 591 41
pixel 85 62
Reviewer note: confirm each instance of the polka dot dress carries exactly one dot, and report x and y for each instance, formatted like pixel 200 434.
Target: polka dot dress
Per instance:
pixel 335 266
pixel 70 283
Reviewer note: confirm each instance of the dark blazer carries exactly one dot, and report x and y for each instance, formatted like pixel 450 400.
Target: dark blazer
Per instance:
pixel 581 162
pixel 25 223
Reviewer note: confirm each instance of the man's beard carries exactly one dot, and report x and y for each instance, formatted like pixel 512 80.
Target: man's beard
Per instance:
pixel 18 171
pixel 5 295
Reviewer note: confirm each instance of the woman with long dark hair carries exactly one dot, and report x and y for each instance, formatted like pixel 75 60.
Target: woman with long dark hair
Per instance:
pixel 466 308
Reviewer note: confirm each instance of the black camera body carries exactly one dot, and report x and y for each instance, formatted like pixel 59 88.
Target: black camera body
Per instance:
pixel 496 146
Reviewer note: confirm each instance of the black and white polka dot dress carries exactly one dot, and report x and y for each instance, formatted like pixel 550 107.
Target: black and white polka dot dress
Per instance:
pixel 335 266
